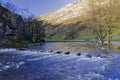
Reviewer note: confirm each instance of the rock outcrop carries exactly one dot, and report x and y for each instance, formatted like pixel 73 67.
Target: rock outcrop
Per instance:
pixel 36 30
pixel 12 26
pixel 13 29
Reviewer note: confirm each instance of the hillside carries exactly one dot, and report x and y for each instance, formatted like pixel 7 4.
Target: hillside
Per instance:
pixel 67 12
pixel 14 30
pixel 12 26
pixel 67 22
pixel 71 21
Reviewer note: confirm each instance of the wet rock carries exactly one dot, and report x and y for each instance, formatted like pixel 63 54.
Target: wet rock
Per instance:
pixel 98 55
pixel 42 50
pixel 51 51
pixel 67 53
pixel 88 55
pixel 79 54
pixel 58 52
pixel 15 29
pixel 23 49
pixel 102 55
pixel 8 30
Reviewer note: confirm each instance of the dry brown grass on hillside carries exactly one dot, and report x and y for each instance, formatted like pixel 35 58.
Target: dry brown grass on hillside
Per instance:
pixel 74 20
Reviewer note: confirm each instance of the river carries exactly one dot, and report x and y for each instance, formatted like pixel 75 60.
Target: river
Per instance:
pixel 51 61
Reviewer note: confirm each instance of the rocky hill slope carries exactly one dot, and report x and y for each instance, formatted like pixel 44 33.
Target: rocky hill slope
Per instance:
pixel 13 29
pixel 12 26
pixel 67 22
pixel 67 12
pixel 73 21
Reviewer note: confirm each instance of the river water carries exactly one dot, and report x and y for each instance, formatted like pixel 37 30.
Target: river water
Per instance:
pixel 51 62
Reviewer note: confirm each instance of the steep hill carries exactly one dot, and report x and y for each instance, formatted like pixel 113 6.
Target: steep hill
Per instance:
pixel 12 26
pixel 67 22
pixel 73 20
pixel 14 30
pixel 67 12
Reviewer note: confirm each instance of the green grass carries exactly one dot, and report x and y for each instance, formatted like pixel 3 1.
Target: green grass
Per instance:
pixel 117 40
pixel 86 37
pixel 78 39
pixel 64 41
pixel 21 44
pixel 34 44
pixel 116 33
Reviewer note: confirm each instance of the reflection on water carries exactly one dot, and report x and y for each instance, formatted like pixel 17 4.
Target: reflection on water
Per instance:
pixel 67 46
pixel 72 47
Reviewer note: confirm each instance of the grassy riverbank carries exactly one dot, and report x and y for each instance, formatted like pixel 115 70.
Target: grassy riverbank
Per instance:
pixel 65 41
pixel 117 40
pixel 23 44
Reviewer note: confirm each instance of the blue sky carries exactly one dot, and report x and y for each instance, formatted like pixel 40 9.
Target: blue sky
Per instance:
pixel 41 7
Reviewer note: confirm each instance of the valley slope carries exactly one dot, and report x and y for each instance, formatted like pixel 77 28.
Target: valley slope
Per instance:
pixel 67 23
pixel 73 21
pixel 14 30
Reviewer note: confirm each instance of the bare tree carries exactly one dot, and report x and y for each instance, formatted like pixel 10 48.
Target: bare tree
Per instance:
pixel 94 19
pixel 103 17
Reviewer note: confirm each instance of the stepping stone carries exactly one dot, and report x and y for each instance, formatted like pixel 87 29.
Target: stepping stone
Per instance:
pixel 67 53
pixel 58 52
pixel 98 55
pixel 88 55
pixel 23 49
pixel 79 54
pixel 51 51
pixel 103 56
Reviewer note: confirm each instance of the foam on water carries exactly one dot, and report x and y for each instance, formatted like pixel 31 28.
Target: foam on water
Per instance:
pixel 10 65
pixel 7 50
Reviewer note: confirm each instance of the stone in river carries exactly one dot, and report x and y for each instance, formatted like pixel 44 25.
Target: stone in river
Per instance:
pixel 103 56
pixel 88 55
pixel 67 53
pixel 59 52
pixel 51 51
pixel 98 55
pixel 79 54
pixel 22 49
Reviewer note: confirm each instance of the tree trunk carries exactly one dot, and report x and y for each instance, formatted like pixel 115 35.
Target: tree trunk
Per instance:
pixel 102 42
pixel 108 38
